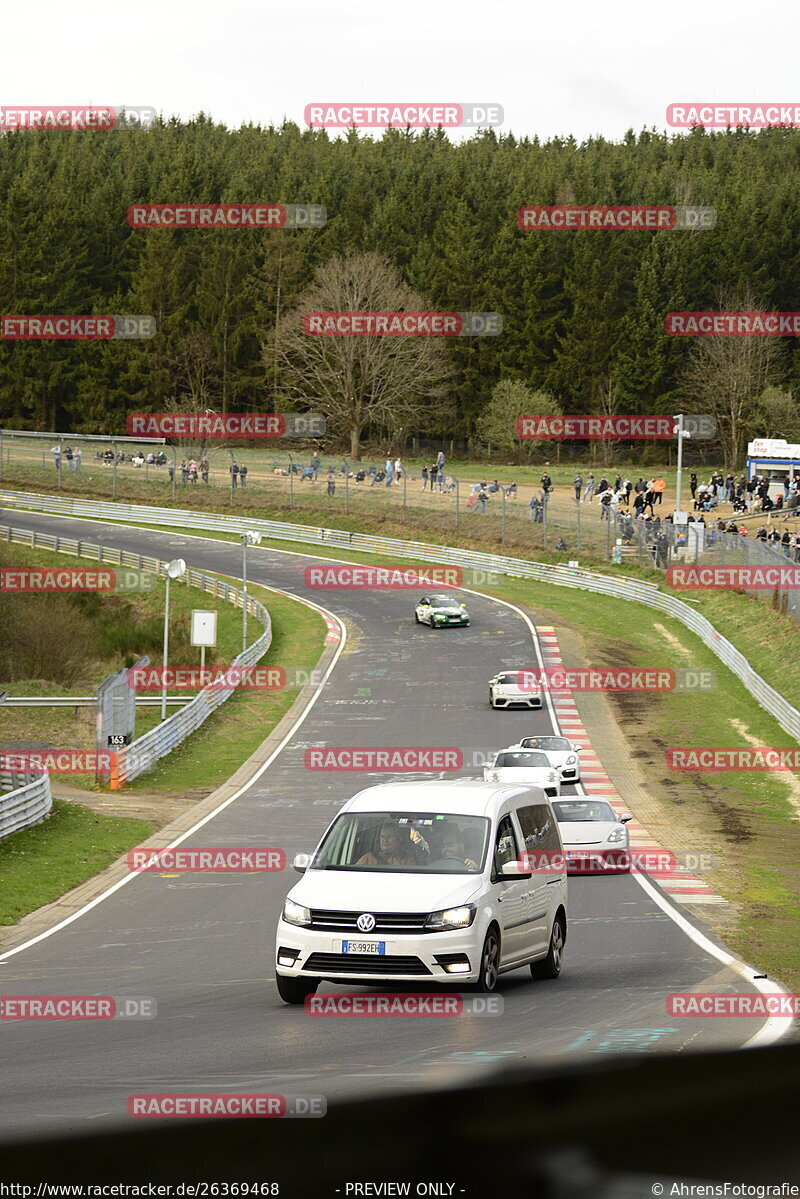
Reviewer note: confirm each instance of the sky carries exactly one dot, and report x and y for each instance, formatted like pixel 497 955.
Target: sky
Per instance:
pixel 572 67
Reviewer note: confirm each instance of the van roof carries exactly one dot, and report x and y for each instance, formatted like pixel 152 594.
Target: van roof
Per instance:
pixel 464 796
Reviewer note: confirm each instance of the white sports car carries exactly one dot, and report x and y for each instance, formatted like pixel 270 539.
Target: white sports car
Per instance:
pixel 515 687
pixel 523 766
pixel 562 752
pixel 595 839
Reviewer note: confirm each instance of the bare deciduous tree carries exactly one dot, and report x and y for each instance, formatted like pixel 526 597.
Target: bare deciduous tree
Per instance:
pixel 358 382
pixel 726 376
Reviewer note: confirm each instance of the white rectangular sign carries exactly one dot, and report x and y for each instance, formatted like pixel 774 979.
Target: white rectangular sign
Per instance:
pixel 204 627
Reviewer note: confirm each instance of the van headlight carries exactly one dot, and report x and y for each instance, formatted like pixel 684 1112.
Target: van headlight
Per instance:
pixel 295 913
pixel 451 918
pixel 618 834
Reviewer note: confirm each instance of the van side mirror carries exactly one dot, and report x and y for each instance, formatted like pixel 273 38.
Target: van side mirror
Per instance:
pixel 515 870
pixel 301 862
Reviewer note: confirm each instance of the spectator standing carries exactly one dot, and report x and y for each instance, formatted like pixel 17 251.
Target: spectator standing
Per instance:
pixel 234 473
pixel 659 487
pixel 185 471
pixel 243 474
pixel 440 466
pixel 389 472
pixel 398 470
pixel 424 477
pixel 204 470
pixel 315 466
pixel 693 484
pixel 589 492
pixel 68 455
pixel 547 483
pixel 577 483
pixel 78 459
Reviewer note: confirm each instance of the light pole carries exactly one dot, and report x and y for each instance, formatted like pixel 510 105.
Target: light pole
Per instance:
pixel 682 433
pixel 174 471
pixel 175 569
pixel 247 539
pixel 114 493
pixel 455 480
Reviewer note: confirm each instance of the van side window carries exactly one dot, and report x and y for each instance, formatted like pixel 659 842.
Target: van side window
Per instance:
pixel 505 849
pixel 539 828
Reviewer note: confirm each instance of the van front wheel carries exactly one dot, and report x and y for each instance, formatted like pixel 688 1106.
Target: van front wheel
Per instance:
pixel 550 967
pixel 295 990
pixel 490 958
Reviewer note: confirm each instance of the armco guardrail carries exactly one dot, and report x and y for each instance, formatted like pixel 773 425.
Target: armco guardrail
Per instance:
pixel 146 750
pixel 23 803
pixel 562 576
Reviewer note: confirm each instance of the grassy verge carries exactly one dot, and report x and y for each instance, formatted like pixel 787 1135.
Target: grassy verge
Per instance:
pixel 38 864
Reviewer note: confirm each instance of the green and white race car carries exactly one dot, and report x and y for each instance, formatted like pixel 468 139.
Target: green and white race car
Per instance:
pixel 440 610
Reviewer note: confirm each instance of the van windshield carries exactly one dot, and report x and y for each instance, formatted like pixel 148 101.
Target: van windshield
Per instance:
pixel 405 842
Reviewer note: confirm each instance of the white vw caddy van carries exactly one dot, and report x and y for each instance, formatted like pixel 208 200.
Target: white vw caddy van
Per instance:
pixel 427 882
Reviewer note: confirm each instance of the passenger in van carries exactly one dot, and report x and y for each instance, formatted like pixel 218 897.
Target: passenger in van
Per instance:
pixel 453 846
pixel 395 848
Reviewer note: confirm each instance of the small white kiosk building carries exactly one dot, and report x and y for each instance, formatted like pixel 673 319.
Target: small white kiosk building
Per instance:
pixel 774 459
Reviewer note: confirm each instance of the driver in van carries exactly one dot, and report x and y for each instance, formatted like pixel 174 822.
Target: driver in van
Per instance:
pixel 394 848
pixel 453 846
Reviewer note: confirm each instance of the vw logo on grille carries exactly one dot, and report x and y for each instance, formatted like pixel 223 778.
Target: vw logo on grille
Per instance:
pixel 366 922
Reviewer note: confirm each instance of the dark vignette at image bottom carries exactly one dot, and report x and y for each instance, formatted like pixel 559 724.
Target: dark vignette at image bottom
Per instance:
pixel 593 1130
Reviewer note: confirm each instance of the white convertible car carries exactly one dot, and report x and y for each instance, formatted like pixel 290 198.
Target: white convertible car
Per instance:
pixel 562 752
pixel 523 766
